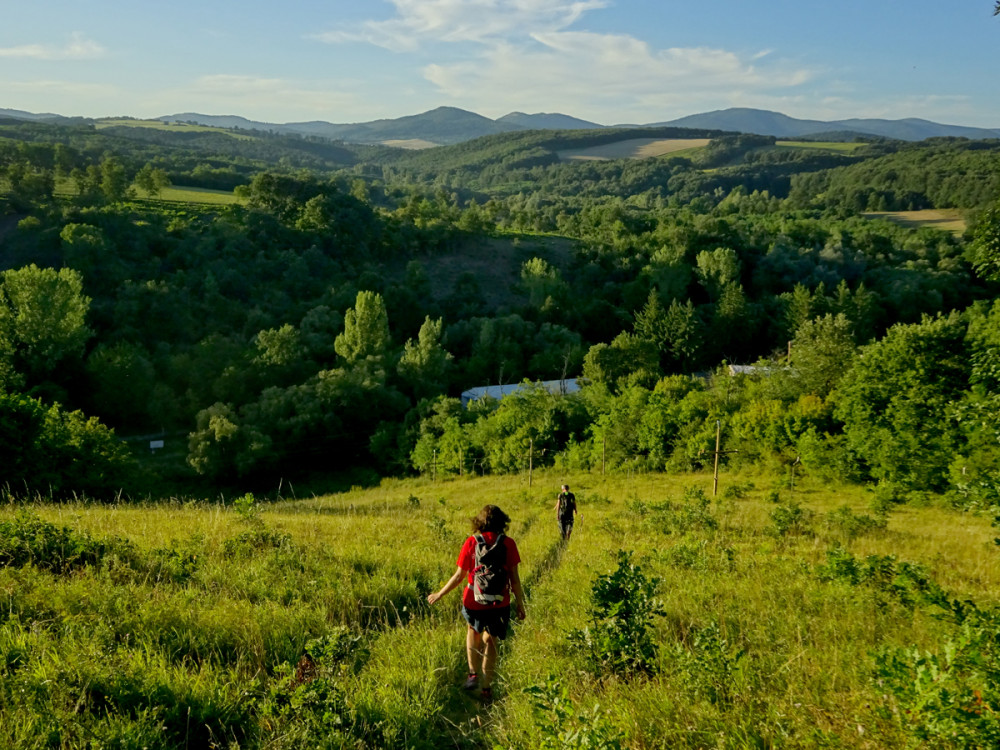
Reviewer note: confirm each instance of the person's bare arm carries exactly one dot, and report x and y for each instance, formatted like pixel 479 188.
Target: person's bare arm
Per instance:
pixel 457 577
pixel 515 586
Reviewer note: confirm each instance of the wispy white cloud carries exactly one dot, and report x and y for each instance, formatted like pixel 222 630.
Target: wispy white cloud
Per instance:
pixel 420 21
pixel 77 47
pixel 583 72
pixel 533 55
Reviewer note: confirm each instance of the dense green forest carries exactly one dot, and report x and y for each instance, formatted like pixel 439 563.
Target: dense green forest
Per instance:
pixel 327 321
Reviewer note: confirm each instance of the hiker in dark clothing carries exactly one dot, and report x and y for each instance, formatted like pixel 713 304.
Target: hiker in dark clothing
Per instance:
pixel 565 511
pixel 488 563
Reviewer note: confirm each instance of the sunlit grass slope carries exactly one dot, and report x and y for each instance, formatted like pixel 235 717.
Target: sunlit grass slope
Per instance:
pixel 303 622
pixel 947 220
pixel 173 127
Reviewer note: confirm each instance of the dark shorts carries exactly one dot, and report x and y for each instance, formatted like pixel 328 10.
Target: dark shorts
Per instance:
pixel 493 621
pixel 565 525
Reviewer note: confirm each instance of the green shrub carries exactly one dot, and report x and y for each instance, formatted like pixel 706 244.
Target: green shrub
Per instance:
pixel 850 525
pixel 564 727
pixel 791 518
pixel 908 583
pixel 253 541
pixel 951 698
pixel 695 512
pixel 710 665
pixel 307 706
pixel 28 540
pixel 622 606
pixel 737 491
pixel 248 509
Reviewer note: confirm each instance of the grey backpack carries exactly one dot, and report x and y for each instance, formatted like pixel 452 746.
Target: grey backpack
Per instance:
pixel 489 577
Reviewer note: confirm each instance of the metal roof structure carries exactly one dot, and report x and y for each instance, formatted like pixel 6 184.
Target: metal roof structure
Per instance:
pixel 556 387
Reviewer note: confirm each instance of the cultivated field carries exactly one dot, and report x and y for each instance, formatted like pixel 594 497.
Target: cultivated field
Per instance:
pixel 173 127
pixel 181 194
pixel 303 623
pixel 413 144
pixel 173 194
pixel 947 220
pixel 634 148
pixel 821 145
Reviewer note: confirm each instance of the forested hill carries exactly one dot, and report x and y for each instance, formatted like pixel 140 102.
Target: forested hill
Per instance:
pixel 322 310
pixel 940 173
pixel 529 148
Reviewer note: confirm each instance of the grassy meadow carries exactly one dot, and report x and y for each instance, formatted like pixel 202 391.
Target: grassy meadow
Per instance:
pixel 173 127
pixel 839 146
pixel 303 623
pixel 634 148
pixel 947 220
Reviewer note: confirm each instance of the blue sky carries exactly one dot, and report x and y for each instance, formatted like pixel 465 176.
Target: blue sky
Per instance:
pixel 609 61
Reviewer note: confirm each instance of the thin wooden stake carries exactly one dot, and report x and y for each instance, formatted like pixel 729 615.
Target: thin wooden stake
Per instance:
pixel 531 456
pixel 718 437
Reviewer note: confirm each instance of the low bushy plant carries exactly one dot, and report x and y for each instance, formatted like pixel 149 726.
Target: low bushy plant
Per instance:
pixel 737 491
pixel 26 539
pixel 695 511
pixel 844 522
pixel 253 541
pixel 949 698
pixel 907 583
pixel 307 705
pixel 791 518
pixel 710 665
pixel 564 727
pixel 248 509
pixel 622 606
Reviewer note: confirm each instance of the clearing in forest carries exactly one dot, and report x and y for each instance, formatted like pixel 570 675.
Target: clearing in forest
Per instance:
pixel 634 148
pixel 946 219
pixel 173 127
pixel 411 144
pixel 846 147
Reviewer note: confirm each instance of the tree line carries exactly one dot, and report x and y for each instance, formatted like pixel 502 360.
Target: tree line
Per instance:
pixel 302 328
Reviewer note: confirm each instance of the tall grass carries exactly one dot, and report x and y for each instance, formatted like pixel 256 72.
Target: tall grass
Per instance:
pixel 304 623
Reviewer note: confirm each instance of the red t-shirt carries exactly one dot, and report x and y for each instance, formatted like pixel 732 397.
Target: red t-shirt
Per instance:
pixel 467 561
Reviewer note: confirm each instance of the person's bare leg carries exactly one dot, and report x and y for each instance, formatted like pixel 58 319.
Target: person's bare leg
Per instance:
pixel 473 651
pixel 489 659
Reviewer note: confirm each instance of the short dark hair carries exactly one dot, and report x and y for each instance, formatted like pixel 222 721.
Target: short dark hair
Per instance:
pixel 490 518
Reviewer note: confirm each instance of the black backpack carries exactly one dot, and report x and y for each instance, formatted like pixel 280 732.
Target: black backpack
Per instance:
pixel 489 577
pixel 567 504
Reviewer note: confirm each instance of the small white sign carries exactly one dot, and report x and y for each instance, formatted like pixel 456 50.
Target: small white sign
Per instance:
pixel 154 444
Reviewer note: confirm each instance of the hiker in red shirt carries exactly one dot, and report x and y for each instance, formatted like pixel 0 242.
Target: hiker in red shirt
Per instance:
pixel 488 563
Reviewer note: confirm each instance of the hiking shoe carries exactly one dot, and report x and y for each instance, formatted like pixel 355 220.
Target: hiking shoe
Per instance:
pixel 486 695
pixel 470 681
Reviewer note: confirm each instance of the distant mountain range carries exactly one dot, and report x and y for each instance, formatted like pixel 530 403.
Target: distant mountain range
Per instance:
pixel 763 122
pixel 448 125
pixel 47 117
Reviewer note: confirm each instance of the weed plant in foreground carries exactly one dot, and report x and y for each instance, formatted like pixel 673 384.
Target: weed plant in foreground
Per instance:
pixel 767 618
